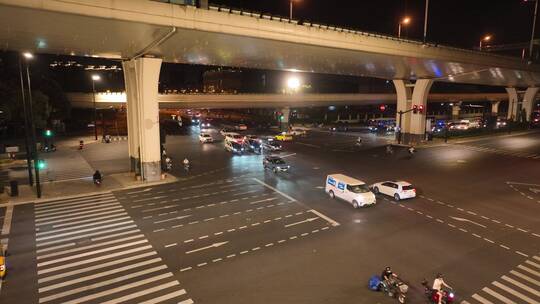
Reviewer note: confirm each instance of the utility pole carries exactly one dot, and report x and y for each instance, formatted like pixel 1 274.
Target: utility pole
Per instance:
pixel 533 28
pixel 33 127
pixel 426 20
pixel 26 128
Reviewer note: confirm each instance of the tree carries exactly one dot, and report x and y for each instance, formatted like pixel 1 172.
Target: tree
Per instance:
pixel 60 105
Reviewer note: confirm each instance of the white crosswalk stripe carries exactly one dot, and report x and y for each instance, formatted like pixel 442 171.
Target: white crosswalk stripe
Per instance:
pixel 520 285
pixel 90 250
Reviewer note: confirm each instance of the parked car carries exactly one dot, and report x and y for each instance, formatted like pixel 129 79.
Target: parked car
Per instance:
pixel 276 164
pixel 397 189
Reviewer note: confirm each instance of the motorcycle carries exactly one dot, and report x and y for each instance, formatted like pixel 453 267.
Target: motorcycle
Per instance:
pixel 168 164
pixel 3 266
pixel 81 145
pixel 394 287
pixel 97 181
pixel 432 295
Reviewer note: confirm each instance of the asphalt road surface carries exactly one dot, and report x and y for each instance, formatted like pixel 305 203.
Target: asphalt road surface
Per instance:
pixel 231 232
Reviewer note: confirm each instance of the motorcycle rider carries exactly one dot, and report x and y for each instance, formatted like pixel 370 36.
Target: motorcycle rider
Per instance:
pixel 97 177
pixel 389 149
pixel 186 163
pixel 438 285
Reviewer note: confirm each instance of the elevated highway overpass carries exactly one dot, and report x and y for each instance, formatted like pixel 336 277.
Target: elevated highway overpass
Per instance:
pixel 222 101
pixel 144 33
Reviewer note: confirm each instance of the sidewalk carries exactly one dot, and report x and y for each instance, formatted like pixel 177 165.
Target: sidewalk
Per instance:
pixel 60 189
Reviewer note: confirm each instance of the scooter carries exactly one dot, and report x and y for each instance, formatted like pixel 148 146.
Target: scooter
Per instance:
pixel 393 287
pixel 448 296
pixel 3 267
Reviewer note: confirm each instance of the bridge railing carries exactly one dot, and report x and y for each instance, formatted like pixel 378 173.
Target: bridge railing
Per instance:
pixel 307 23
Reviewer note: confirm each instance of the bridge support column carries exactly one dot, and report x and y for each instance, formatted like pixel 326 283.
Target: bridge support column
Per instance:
pixel 413 126
pixel 284 120
pixel 529 100
pixel 141 77
pixel 495 108
pixel 456 108
pixel 512 103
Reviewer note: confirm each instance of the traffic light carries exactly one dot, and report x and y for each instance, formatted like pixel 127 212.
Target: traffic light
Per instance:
pixel 41 164
pixel 382 108
pixel 415 109
pixel 421 109
pixel 280 116
pixel 48 133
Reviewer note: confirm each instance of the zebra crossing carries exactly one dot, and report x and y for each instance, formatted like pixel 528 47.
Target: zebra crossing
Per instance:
pixel 520 285
pixel 520 154
pixel 88 249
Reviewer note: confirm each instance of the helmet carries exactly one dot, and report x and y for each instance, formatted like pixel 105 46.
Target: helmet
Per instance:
pixel 387 268
pixel 439 275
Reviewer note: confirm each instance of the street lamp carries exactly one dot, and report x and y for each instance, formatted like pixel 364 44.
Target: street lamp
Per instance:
pixel 94 79
pixel 533 26
pixel 291 8
pixel 426 20
pixel 293 84
pixel 484 39
pixel 28 56
pixel 403 21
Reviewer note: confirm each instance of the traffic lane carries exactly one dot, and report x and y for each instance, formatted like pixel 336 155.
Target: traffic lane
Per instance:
pixel 344 261
pixel 314 195
pixel 506 237
pixel 221 248
pixel 108 158
pixel 20 283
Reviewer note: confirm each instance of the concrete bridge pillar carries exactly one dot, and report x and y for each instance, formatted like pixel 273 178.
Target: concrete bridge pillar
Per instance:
pixel 413 126
pixel 512 103
pixel 495 108
pixel 456 108
pixel 141 77
pixel 529 99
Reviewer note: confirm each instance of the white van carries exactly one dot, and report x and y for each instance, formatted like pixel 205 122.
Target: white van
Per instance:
pixel 349 189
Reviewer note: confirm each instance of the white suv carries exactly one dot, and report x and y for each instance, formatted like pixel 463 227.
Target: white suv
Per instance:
pixel 205 138
pixel 397 189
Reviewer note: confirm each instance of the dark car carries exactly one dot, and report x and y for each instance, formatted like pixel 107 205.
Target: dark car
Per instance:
pixel 276 164
pixel 271 145
pixel 253 145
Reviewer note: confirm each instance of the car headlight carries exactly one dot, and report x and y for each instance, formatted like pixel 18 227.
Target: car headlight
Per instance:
pixel 2 267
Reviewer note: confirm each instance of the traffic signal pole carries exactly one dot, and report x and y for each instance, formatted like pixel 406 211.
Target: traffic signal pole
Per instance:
pixel 33 128
pixel 400 117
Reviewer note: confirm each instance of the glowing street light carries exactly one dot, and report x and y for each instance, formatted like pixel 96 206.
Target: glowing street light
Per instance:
pixel 293 83
pixel 403 22
pixel 28 55
pixel 486 38
pixel 94 79
pixel 291 8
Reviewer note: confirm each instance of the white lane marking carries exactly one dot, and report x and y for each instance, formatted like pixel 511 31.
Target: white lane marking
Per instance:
pixel 100 284
pixel 98 275
pixel 264 200
pixel 95 223
pixel 489 241
pixel 188 301
pixel 6 227
pixel 479 299
pixel 39 239
pixel 56 247
pixel 173 219
pixel 89 204
pixel 515 293
pixel 523 184
pixel 276 190
pixel 85 235
pixel 521 253
pixel 171 245
pixel 110 209
pixel 88 261
pixel 79 199
pixel 526 278
pixel 151 290
pixel 505 247
pixel 287 155
pixel 109 215
pixel 93 246
pixel 533 264
pixel 527 269
pixel 186 269
pixel 326 218
pixel 141 191
pixel 302 222
pixel 93 207
pixel 119 289
pixel 498 296
pixel 149 199
pixel 215 245
pixel 95 267
pixel 522 286
pixel 110 236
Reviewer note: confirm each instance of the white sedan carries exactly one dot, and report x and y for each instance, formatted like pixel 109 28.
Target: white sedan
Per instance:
pixel 397 189
pixel 205 138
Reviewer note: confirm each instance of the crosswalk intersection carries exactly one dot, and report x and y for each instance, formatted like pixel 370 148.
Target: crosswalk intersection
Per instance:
pixel 89 250
pixel 520 285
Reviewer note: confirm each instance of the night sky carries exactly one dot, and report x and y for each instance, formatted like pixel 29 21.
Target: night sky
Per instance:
pixel 453 22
